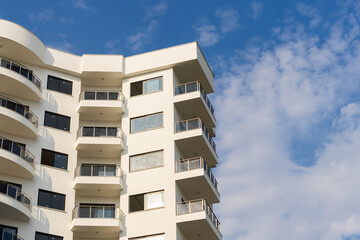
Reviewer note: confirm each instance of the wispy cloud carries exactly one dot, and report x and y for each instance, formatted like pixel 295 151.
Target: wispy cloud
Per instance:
pixel 67 20
pixel 63 44
pixel 207 35
pixel 112 46
pixel 311 12
pixel 299 91
pixel 229 19
pixel 257 8
pixel 158 10
pixel 43 16
pixel 84 5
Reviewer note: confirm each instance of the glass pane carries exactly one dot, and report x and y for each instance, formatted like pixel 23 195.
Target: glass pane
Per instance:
pixel 196 206
pixel 138 163
pixel 60 161
pixel 85 171
pixel 12 191
pixel 65 87
pixel 58 201
pixel 50 120
pixel 193 124
pixel 195 164
pixel 7 145
pixel 109 212
pixel 136 88
pixel 3 187
pixel 113 95
pixel 98 171
pixel 97 212
pixel 155 159
pixel 53 83
pixel 136 203
pixel 41 236
pixel 191 87
pixel 89 95
pixel 24 72
pixel 110 171
pixel 17 149
pixel 11 105
pixel 44 199
pixel 112 132
pixel 15 67
pixel 63 123
pixel 182 166
pixel 154 121
pixel 180 126
pixel 179 89
pixel 5 63
pixel 47 157
pixel 153 85
pixel 100 131
pixel 101 95
pixel 138 124
pixel 182 208
pixel 84 212
pixel 154 200
pixel 20 109
pixel 87 131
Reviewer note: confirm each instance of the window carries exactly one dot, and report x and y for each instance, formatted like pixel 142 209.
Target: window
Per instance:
pixel 152 237
pixel 7 232
pixel 97 170
pixel 146 161
pixel 44 236
pixel 59 85
pixel 146 201
pixel 87 210
pixel 57 121
pixel 51 200
pixel 54 159
pixel 147 86
pixel 148 122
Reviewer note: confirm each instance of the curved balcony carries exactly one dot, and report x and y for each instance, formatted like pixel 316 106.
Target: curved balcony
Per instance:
pixel 98 180
pixel 197 220
pixel 6 234
pixel 191 100
pixel 17 119
pixel 105 142
pixel 101 105
pixel 196 179
pixel 193 138
pixel 15 159
pixel 14 202
pixel 99 222
pixel 19 81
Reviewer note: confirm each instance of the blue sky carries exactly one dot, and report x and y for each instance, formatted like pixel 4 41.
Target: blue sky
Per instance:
pixel 287 99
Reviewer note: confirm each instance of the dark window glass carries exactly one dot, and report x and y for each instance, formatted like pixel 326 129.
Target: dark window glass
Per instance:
pixel 136 88
pixel 5 63
pixel 44 236
pixel 54 159
pixel 7 145
pixel 136 203
pixel 57 121
pixel 6 232
pixel 24 72
pixel 111 131
pixel 85 171
pixel 87 131
pixel 113 95
pixel 15 67
pixel 51 200
pixel 101 95
pixel 65 87
pixel 100 131
pixel 59 85
pixel 89 95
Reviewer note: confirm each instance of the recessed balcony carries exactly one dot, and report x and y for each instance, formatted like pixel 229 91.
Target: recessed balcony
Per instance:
pixel 97 222
pixel 191 99
pixel 101 105
pixel 14 203
pixel 197 220
pixel 104 142
pixel 196 179
pixel 17 119
pixel 98 180
pixel 193 139
pixel 15 159
pixel 7 234
pixel 19 81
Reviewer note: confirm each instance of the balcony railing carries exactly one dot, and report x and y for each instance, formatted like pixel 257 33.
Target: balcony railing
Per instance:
pixel 191 124
pixel 196 163
pixel 96 211
pixel 19 108
pixel 16 193
pixel 193 87
pixel 98 171
pixel 100 132
pixel 22 70
pixel 102 95
pixel 197 206
pixel 8 235
pixel 18 150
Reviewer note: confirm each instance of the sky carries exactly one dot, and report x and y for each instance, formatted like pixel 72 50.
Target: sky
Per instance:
pixel 287 101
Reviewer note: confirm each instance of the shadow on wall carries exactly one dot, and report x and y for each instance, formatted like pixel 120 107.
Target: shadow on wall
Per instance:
pixel 42 221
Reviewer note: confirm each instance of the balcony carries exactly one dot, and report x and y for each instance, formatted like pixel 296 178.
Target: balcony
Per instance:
pixel 97 222
pixel 193 139
pixel 104 142
pixel 196 179
pixel 15 159
pixel 6 234
pixel 101 105
pixel 14 203
pixel 191 99
pixel 98 180
pixel 19 81
pixel 197 220
pixel 17 119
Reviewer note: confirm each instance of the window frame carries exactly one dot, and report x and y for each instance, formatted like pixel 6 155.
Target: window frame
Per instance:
pixel 145 116
pixel 146 153
pixel 52 151
pixel 57 121
pixel 142 85
pixel 145 201
pixel 48 235
pixel 51 200
pixel 59 80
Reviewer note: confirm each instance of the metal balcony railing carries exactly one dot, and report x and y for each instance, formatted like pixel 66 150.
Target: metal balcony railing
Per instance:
pixel 193 87
pixel 196 163
pixel 19 108
pixel 191 124
pixel 98 171
pixel 102 95
pixel 100 132
pixel 16 193
pixel 197 206
pixel 96 211
pixel 18 150
pixel 22 70
pixel 8 235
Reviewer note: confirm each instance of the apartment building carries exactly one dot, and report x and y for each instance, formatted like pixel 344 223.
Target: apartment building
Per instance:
pixel 105 146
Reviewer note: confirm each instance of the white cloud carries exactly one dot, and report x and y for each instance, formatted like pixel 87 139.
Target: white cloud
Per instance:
pixel 270 99
pixel 144 37
pixel 112 46
pixel 158 10
pixel 311 12
pixel 229 19
pixel 43 16
pixel 257 8
pixel 207 35
pixel 84 5
pixel 63 44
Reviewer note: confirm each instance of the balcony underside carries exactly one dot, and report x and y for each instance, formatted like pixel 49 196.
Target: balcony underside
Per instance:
pixel 14 209
pixel 96 228
pixel 13 123
pixel 14 84
pixel 99 147
pixel 197 226
pixel 98 186
pixel 95 110
pixel 193 143
pixel 11 164
pixel 195 184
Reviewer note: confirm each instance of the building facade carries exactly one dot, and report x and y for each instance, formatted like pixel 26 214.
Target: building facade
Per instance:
pixel 105 146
